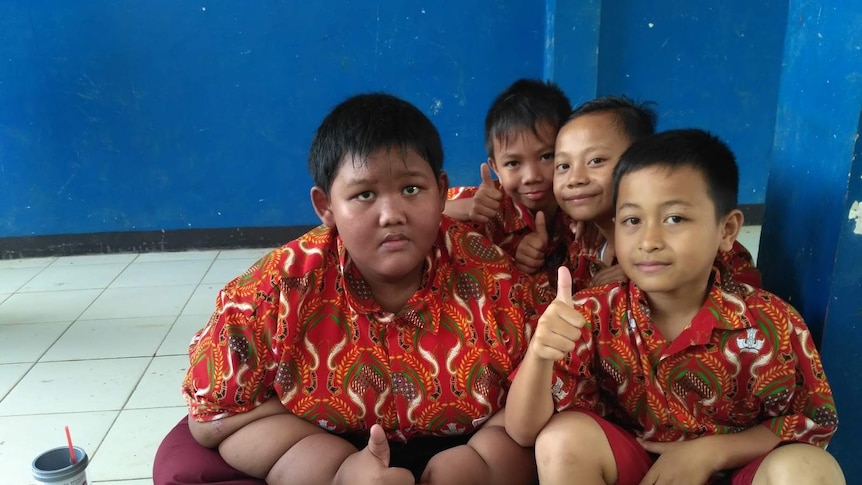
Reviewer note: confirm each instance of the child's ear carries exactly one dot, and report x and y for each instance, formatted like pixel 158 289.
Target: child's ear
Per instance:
pixel 731 224
pixel 322 208
pixel 443 186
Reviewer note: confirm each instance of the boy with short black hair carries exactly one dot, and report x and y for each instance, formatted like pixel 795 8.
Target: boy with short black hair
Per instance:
pixel 372 350
pixel 680 375
pixel 518 212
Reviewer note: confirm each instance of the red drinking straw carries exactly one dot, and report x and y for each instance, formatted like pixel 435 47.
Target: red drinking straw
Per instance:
pixel 71 448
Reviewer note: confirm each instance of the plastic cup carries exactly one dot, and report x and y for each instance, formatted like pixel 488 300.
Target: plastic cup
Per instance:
pixel 55 467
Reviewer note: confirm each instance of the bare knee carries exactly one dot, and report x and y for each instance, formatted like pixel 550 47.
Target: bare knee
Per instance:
pixel 573 441
pixel 563 438
pixel 799 464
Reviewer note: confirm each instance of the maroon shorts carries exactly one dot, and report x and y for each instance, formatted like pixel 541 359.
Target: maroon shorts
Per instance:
pixel 633 461
pixel 180 460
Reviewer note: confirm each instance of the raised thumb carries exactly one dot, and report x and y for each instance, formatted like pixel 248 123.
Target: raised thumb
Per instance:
pixel 485 169
pixel 564 285
pixel 541 225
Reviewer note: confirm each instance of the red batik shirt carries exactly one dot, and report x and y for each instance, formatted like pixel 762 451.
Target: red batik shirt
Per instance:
pixel 513 222
pixel 746 359
pixel 584 260
pixel 302 325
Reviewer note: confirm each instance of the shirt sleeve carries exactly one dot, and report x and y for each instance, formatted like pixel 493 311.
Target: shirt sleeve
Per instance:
pixel 738 264
pixel 232 366
pixel 803 411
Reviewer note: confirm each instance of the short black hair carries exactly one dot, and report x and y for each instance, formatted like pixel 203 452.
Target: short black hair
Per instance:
pixel 523 105
pixel 693 148
pixel 367 122
pixel 636 120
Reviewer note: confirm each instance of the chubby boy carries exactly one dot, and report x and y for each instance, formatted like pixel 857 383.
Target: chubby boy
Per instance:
pixel 678 375
pixel 374 349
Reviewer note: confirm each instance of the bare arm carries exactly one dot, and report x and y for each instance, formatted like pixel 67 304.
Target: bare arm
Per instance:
pixel 212 433
pixel 459 209
pixel 735 450
pixel 695 460
pixel 258 446
pixel 530 403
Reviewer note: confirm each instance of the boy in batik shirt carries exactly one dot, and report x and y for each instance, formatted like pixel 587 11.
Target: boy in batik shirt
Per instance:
pixel 373 349
pixel 679 375
pixel 518 212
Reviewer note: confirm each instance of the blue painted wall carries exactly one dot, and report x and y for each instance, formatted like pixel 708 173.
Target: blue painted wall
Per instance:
pixel 818 109
pixel 712 65
pixel 572 46
pixel 123 116
pixel 842 329
pixel 810 253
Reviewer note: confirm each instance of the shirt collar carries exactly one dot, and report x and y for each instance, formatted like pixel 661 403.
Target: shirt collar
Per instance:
pixel 724 309
pixel 422 309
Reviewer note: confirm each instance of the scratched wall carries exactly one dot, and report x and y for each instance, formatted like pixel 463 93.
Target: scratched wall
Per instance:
pixel 123 116
pixel 814 257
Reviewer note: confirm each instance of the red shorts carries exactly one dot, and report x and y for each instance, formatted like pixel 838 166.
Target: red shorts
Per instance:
pixel 633 461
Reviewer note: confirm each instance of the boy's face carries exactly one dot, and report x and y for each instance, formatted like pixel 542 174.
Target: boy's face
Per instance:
pixel 666 235
pixel 387 211
pixel 588 148
pixel 524 163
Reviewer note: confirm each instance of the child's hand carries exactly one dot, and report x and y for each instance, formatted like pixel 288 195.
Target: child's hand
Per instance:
pixel 559 328
pixel 486 202
pixel 609 274
pixel 679 462
pixel 530 255
pixel 371 464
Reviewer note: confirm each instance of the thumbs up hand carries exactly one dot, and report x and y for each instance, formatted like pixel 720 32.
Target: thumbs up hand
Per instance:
pixel 559 328
pixel 486 202
pixel 530 255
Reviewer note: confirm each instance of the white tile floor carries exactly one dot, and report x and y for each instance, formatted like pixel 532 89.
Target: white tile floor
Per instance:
pixel 99 343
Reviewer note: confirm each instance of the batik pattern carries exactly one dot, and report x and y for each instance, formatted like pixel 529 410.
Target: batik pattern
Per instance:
pixel 513 222
pixel 302 325
pixel 747 359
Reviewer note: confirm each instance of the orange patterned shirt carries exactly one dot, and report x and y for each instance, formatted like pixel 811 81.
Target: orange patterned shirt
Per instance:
pixel 746 359
pixel 301 324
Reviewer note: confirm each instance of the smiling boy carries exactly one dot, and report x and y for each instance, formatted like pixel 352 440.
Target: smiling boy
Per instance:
pixel 677 376
pixel 518 212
